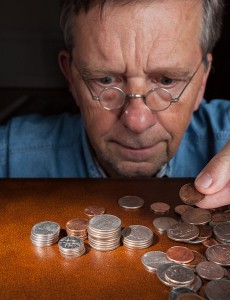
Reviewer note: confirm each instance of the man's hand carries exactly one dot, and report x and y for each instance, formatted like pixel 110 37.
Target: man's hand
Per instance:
pixel 214 180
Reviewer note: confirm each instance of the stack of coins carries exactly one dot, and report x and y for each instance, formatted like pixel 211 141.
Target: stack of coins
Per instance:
pixel 77 227
pixel 71 246
pixel 45 233
pixel 104 232
pixel 137 237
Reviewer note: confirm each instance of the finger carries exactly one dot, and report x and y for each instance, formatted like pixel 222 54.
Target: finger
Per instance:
pixel 218 199
pixel 216 174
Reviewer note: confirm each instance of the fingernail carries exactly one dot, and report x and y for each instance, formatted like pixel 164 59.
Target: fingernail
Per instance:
pixel 204 180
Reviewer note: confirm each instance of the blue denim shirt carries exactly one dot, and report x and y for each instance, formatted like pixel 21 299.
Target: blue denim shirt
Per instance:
pixel 57 146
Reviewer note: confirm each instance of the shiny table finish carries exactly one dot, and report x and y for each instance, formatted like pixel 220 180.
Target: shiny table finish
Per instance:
pixel 30 272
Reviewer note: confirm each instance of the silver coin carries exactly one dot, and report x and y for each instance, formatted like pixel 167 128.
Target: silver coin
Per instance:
pixel 137 236
pixel 179 275
pixel 104 223
pixel 46 228
pixel 222 232
pixel 131 202
pixel 176 292
pixel 196 285
pixel 210 270
pixel 218 289
pixel 153 259
pixel 70 242
pixel 220 254
pixel 162 224
pixel 196 216
pixel 183 232
pixel 160 272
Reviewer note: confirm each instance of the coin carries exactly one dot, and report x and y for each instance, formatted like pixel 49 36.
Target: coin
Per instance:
pixel 176 292
pixel 137 237
pixel 153 259
pixel 131 202
pixel 180 254
pixel 160 207
pixel 77 227
pixel 198 257
pixel 71 246
pixel 94 210
pixel 210 270
pixel 189 194
pixel 220 254
pixel 183 232
pixel 196 216
pixel 180 209
pixel 222 232
pixel 45 233
pixel 179 275
pixel 162 224
pixel 189 296
pixel 160 272
pixel 218 289
pixel 210 242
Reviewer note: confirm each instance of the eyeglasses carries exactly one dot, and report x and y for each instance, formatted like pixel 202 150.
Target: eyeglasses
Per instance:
pixel 157 99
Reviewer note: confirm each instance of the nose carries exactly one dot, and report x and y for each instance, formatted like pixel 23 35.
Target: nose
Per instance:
pixel 136 116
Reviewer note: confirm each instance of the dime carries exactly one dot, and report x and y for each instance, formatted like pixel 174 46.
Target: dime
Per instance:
pixel 180 254
pixel 189 194
pixel 160 272
pixel 183 232
pixel 160 207
pixel 153 259
pixel 162 224
pixel 94 210
pixel 196 216
pixel 209 270
pixel 179 275
pixel 220 254
pixel 131 202
pixel 218 289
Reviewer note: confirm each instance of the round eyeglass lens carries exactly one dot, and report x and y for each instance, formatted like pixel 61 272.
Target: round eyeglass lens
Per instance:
pixel 158 99
pixel 112 98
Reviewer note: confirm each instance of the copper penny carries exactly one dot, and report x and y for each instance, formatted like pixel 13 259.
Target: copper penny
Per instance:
pixel 94 210
pixel 180 254
pixel 189 194
pixel 210 242
pixel 180 209
pixel 160 207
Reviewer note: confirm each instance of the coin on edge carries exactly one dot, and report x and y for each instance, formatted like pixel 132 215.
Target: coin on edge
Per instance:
pixel 189 194
pixel 131 202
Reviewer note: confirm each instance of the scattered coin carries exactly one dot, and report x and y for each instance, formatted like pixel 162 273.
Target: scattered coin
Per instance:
pixel 198 257
pixel 218 289
pixel 189 194
pixel 160 272
pixel 180 209
pixel 180 254
pixel 176 292
pixel 220 254
pixel 162 224
pixel 189 296
pixel 210 242
pixel 160 207
pixel 45 233
pixel 196 216
pixel 153 259
pixel 94 210
pixel 183 232
pixel 210 270
pixel 222 232
pixel 131 202
pixel 179 275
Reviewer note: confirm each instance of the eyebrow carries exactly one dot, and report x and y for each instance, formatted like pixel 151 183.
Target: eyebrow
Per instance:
pixel 171 72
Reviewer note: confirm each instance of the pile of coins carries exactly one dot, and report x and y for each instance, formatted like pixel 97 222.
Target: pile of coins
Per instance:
pixel 77 227
pixel 45 233
pixel 137 237
pixel 71 246
pixel 104 232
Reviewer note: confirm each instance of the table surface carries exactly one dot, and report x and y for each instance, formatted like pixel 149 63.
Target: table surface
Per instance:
pixel 30 272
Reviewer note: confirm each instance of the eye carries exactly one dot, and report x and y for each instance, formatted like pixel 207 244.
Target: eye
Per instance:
pixel 106 80
pixel 166 81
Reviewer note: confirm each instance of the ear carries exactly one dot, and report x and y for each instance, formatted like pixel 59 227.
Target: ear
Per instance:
pixel 65 66
pixel 204 81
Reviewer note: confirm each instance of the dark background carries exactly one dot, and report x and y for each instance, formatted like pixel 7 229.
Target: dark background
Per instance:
pixel 30 79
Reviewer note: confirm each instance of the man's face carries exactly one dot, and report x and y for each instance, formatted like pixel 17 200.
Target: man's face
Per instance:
pixel 137 47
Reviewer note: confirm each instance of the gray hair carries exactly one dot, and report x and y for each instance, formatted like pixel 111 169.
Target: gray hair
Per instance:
pixel 210 26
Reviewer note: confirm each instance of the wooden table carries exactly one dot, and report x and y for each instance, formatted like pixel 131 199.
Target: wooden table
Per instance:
pixel 30 272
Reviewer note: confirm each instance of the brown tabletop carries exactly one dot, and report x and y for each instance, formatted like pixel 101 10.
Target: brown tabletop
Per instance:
pixel 30 272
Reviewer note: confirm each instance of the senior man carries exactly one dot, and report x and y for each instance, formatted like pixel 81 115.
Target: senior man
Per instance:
pixel 138 71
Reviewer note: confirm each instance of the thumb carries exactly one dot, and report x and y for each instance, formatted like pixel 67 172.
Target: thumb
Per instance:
pixel 216 175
